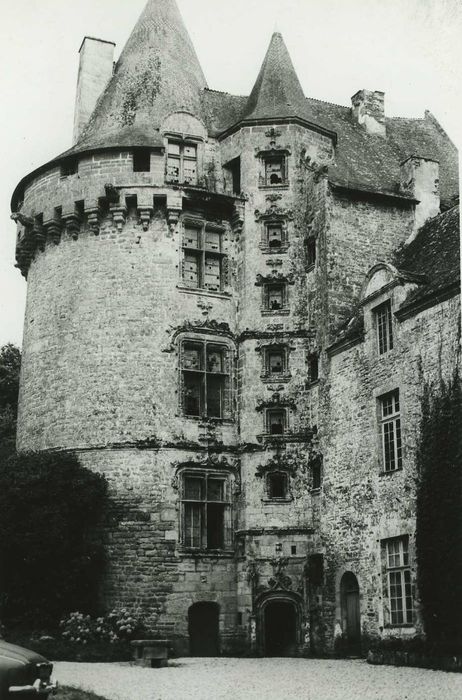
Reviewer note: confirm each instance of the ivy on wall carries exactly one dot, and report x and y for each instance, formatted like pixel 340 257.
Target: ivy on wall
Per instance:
pixel 439 515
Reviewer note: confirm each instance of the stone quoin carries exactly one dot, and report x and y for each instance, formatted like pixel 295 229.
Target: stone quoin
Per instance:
pixel 233 304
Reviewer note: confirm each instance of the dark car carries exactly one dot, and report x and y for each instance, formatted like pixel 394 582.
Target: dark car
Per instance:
pixel 24 673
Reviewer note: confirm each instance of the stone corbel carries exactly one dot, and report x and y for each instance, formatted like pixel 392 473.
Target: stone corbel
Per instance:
pixel 71 221
pixel 53 228
pixel 94 215
pixel 38 234
pixel 173 215
pixel 145 214
pixel 119 215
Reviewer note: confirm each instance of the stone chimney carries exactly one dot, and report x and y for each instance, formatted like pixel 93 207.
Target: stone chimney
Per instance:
pixel 420 178
pixel 95 71
pixel 369 110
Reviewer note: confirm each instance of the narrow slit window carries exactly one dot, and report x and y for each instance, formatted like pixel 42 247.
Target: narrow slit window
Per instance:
pixel 384 326
pixel 311 252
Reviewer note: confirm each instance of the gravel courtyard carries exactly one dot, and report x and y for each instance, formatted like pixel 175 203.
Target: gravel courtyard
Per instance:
pixel 261 679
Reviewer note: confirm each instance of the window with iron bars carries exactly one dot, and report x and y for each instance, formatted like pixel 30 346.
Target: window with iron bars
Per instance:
pixel 384 326
pixel 181 162
pixel 398 579
pixel 206 511
pixel 205 376
pixel 390 428
pixel 203 257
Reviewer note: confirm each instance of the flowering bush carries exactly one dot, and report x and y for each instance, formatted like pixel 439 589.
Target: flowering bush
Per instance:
pixel 118 625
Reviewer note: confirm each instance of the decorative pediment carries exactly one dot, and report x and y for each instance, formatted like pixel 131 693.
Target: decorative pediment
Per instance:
pixel 207 326
pixel 213 462
pixel 289 462
pixel 275 276
pixel 276 401
pixel 274 212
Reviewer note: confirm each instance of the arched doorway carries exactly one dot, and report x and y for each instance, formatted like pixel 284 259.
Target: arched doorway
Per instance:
pixel 203 627
pixel 280 628
pixel 351 619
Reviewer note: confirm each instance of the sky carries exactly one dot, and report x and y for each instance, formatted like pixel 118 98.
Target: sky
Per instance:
pixel 410 49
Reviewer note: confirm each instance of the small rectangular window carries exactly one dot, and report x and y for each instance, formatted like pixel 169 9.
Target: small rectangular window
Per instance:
pixel 398 573
pixel 275 419
pixel 311 252
pixel 390 426
pixel 275 362
pixel 275 296
pixel 275 170
pixel 384 326
pixel 70 166
pixel 316 473
pixel 141 160
pixel 277 485
pixel 274 235
pixel 313 367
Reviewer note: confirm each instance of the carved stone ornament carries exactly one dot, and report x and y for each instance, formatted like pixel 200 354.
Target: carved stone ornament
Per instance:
pixel 208 326
pixel 173 216
pixel 289 462
pixel 71 223
pixel 119 215
pixel 318 169
pixel 53 229
pixel 274 276
pixel 273 133
pixel 274 212
pixel 145 214
pixel 38 232
pixel 94 215
pixel 280 580
pixel 276 262
pixel 276 401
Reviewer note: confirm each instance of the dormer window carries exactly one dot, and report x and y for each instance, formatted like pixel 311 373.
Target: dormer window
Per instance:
pixel 182 162
pixel 384 327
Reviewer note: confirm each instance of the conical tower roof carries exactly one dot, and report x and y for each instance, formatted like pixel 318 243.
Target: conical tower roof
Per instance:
pixel 157 73
pixel 277 92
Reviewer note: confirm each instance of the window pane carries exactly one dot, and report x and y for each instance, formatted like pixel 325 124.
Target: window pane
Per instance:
pixel 190 172
pixel 277 485
pixel 275 297
pixel 212 240
pixel 193 488
pixel 189 151
pixel 274 235
pixel 192 524
pixel 394 559
pixel 192 357
pixel 274 171
pixel 173 148
pixel 212 273
pixel 384 327
pixel 215 490
pixel 173 169
pixel 276 422
pixel 215 395
pixel 311 251
pixel 191 237
pixel 276 360
pixel 215 359
pixel 387 405
pixel 389 446
pixel 193 393
pixel 215 526
pixel 191 274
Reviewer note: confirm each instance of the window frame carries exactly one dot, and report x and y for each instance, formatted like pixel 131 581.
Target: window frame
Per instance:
pixel 285 421
pixel 204 376
pixel 265 179
pixel 286 480
pixel 205 475
pixel 266 287
pixel 398 581
pixel 392 459
pixel 181 158
pixel 203 255
pixel 384 329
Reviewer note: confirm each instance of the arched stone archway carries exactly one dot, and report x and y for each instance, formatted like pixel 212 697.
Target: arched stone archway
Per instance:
pixel 203 627
pixel 350 612
pixel 279 625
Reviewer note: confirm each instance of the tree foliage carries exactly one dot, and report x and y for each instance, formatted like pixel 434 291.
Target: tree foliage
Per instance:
pixel 51 557
pixel 439 515
pixel 10 364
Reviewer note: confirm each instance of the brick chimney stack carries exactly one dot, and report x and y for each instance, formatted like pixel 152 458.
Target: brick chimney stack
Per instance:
pixel 95 71
pixel 420 178
pixel 369 110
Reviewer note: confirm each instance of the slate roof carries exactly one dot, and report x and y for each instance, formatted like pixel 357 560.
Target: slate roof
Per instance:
pixel 435 254
pixel 158 72
pixel 277 92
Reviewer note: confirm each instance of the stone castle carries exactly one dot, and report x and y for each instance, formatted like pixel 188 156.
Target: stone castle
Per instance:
pixel 233 304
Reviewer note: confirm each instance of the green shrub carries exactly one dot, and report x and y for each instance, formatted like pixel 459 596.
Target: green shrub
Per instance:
pixel 115 627
pixel 51 555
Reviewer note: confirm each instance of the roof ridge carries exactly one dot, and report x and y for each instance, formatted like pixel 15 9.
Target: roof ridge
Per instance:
pixel 326 102
pixel 223 92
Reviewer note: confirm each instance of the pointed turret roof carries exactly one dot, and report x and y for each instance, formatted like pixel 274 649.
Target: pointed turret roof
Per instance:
pixel 277 92
pixel 157 73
